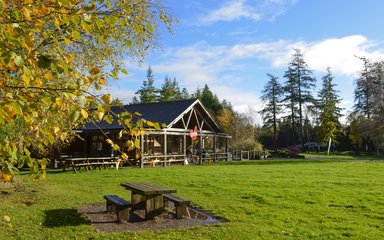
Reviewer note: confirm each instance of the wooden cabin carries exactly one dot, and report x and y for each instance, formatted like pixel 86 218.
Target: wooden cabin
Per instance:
pixel 172 143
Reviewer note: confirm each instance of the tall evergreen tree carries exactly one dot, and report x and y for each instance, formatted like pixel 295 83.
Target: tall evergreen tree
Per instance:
pixel 271 96
pixel 329 112
pixel 369 103
pixel 210 100
pixel 184 94
pixel 298 87
pixel 148 93
pixel 167 91
pixel 365 86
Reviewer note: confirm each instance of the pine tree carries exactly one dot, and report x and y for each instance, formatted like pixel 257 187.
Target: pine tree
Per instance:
pixel 329 112
pixel 184 94
pixel 364 90
pixel 271 96
pixel 369 103
pixel 298 88
pixel 148 93
pixel 210 100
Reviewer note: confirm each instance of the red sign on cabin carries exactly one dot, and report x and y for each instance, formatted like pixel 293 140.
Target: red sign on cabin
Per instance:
pixel 193 134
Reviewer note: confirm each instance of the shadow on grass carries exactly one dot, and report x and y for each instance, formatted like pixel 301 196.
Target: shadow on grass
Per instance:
pixel 63 217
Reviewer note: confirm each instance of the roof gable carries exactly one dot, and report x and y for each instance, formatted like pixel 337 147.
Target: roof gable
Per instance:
pixel 182 114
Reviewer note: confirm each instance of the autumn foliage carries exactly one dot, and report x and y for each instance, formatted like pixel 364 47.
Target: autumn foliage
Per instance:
pixel 54 57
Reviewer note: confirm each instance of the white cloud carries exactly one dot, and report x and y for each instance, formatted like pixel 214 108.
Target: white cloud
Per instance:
pixel 243 102
pixel 338 53
pixel 254 10
pixel 223 69
pixel 232 10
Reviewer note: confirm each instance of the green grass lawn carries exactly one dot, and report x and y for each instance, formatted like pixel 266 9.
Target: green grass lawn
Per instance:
pixel 273 199
pixel 344 156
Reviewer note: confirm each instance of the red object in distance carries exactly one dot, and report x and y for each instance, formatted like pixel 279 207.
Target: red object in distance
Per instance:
pixel 193 134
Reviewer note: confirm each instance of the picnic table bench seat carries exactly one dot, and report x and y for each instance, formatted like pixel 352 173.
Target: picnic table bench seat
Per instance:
pixel 180 204
pixel 119 206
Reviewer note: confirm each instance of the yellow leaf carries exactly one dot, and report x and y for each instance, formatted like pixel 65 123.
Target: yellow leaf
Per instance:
pixel 109 141
pixel 67 41
pixel 95 71
pixel 27 15
pixel 38 82
pixel 56 22
pixel 84 113
pixel 6 176
pixel 124 156
pixel 10 28
pixel 26 79
pixel 56 130
pixel 116 147
pixel 59 101
pixel 107 98
pixel 98 115
pixel 7 218
pixel 103 81
pixel 49 75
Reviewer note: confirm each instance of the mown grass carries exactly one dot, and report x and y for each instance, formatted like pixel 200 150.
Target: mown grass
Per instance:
pixel 345 156
pixel 272 199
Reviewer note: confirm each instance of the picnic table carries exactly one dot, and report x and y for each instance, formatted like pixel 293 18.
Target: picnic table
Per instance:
pixel 89 162
pixel 147 196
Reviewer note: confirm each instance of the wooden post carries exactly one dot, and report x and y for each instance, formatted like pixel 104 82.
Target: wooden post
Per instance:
pixel 137 201
pixel 214 148
pixel 200 148
pixel 226 149
pixel 165 149
pixel 185 145
pixel 141 150
pixel 86 144
pixel 154 207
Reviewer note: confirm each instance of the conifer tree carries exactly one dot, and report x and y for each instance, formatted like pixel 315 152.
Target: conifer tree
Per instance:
pixel 298 88
pixel 148 93
pixel 271 96
pixel 329 112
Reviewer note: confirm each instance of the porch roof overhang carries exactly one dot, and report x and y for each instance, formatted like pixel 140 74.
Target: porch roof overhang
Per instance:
pixel 179 117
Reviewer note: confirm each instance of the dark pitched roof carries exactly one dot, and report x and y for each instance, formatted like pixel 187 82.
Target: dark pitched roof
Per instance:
pixel 161 112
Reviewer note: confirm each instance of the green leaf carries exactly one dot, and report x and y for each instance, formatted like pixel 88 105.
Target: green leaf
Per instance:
pixel 100 108
pixel 124 71
pixel 74 116
pixel 157 126
pixel 44 61
pixel 87 18
pixel 19 61
pixel 75 19
pixel 150 28
pixel 137 143
pixel 27 152
pixel 108 119
pixel 139 123
pixel 26 70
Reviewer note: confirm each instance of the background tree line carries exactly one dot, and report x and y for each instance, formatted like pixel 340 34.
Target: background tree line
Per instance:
pixel 292 115
pixel 239 126
pixel 296 113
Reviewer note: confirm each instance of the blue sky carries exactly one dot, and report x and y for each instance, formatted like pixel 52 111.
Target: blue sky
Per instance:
pixel 231 45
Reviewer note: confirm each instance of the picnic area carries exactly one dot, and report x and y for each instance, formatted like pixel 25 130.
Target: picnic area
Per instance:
pixel 255 199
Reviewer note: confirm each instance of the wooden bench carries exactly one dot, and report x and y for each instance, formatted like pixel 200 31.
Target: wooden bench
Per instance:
pixel 180 204
pixel 119 206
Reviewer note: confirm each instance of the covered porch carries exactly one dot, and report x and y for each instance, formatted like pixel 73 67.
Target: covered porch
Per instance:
pixel 191 136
